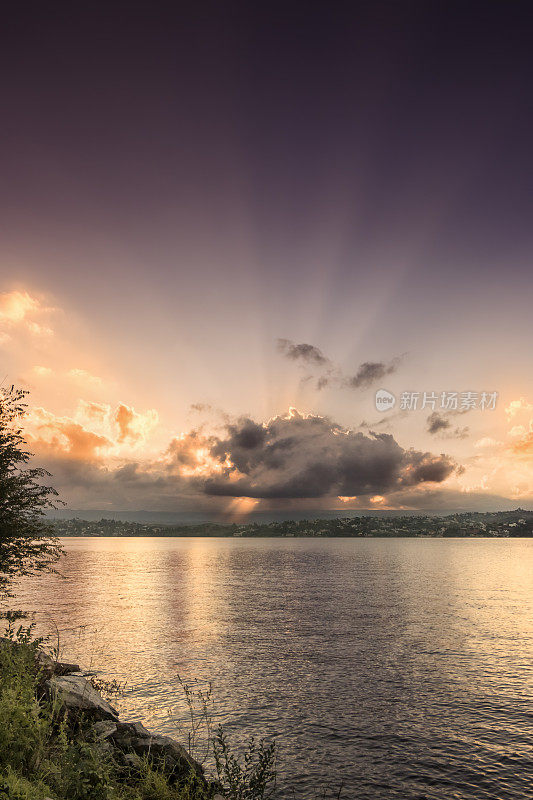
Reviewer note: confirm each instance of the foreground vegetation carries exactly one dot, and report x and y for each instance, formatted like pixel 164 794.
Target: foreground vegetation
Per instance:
pixel 51 749
pixel 46 754
pixel 27 543
pixel 42 755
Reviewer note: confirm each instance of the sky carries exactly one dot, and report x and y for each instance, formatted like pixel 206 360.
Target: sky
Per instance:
pixel 225 228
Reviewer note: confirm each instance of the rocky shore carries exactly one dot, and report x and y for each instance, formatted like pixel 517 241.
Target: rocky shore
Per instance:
pixel 65 687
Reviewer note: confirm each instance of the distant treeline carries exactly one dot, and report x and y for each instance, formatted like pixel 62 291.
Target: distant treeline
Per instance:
pixel 518 523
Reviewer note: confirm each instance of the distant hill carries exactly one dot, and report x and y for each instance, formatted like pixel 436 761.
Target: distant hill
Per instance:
pixel 201 517
pixel 517 523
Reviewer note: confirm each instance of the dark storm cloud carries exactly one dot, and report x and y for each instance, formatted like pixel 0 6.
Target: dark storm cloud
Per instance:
pixel 332 377
pixel 201 407
pixel 431 499
pixel 307 353
pixel 290 457
pixel 371 371
pixel 438 423
pixel 135 485
pixel 368 373
pixel 384 421
pixel 306 457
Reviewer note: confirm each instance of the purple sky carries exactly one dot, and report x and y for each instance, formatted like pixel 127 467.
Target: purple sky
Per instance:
pixel 180 190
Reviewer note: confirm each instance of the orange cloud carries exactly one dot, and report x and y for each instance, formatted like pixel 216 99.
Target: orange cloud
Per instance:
pixel 189 455
pixel 17 307
pixel 521 433
pixel 39 330
pixel 83 376
pixel 53 435
pixel 43 372
pixel 524 445
pixel 94 411
pixel 517 406
pixel 134 426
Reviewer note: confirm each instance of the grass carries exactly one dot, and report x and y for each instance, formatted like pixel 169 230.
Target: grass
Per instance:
pixel 44 755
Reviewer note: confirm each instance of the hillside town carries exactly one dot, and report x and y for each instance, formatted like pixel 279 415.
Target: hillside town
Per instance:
pixel 517 523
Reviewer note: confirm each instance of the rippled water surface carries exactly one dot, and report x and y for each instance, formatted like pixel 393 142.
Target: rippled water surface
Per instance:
pixel 399 667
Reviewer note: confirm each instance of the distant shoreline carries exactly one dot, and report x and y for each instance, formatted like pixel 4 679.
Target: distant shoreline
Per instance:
pixel 273 536
pixel 478 525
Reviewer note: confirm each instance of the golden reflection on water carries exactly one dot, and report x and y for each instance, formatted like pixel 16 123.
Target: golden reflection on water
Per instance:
pixel 378 648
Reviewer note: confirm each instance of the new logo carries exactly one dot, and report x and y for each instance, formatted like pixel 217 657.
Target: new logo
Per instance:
pixel 384 400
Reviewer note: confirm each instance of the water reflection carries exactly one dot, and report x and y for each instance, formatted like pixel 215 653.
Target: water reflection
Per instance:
pixel 401 666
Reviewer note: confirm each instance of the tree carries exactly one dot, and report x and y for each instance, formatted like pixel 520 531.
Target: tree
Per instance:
pixel 27 544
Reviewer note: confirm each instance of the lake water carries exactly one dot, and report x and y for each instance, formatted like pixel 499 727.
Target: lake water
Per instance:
pixel 401 668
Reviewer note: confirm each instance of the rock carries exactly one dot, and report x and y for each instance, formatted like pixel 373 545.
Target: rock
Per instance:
pixel 51 667
pixel 133 729
pixel 127 742
pixel 79 695
pixel 64 668
pixel 132 760
pixel 44 662
pixel 104 729
pixel 132 736
pixel 106 747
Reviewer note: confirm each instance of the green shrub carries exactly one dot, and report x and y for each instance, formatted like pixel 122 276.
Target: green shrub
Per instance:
pixel 43 757
pixel 255 778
